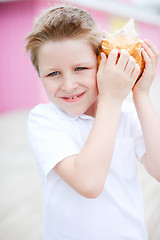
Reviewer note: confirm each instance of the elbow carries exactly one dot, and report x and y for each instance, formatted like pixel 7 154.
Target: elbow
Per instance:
pixel 152 169
pixel 91 195
pixel 157 177
pixel 92 192
pixel 155 173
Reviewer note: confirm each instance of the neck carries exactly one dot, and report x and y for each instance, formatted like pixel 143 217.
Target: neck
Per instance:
pixel 92 109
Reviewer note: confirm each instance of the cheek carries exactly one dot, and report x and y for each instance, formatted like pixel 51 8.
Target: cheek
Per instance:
pixel 92 86
pixel 93 79
pixel 51 86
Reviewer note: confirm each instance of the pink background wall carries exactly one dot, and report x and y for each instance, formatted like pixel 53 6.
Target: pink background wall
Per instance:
pixel 20 86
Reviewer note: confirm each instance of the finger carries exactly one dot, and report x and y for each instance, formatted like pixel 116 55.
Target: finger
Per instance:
pixel 147 60
pixel 135 73
pixel 130 66
pixel 148 50
pixel 123 59
pixel 112 57
pixel 151 50
pixel 152 47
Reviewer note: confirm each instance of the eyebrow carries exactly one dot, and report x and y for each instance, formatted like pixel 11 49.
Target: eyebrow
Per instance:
pixel 51 69
pixel 81 63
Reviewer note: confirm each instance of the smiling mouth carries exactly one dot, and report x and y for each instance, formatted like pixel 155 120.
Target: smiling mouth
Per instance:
pixel 73 98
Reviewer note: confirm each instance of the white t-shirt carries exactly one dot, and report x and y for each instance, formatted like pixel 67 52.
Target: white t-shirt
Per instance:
pixel 117 214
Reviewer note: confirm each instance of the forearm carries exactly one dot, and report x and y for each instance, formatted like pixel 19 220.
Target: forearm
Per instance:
pixel 87 171
pixel 150 123
pixel 94 160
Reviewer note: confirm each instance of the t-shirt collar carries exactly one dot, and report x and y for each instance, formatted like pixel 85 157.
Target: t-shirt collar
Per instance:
pixel 63 115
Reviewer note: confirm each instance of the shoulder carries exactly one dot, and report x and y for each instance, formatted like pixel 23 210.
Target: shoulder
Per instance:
pixel 48 118
pixel 42 109
pixel 41 119
pixel 43 113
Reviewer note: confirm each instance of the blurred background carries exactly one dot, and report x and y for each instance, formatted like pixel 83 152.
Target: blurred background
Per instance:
pixel 21 89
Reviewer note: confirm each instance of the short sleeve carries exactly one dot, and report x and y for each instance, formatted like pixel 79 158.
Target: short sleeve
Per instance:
pixel 51 139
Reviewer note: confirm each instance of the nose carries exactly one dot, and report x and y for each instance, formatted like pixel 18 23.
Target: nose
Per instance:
pixel 69 83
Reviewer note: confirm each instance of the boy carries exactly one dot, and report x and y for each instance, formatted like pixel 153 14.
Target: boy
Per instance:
pixel 87 139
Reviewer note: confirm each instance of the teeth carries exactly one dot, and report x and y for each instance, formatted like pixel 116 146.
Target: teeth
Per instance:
pixel 73 97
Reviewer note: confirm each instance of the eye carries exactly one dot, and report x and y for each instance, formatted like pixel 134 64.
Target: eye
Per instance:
pixel 53 73
pixel 80 68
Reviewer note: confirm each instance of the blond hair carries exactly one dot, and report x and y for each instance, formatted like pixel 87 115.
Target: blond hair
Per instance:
pixel 60 23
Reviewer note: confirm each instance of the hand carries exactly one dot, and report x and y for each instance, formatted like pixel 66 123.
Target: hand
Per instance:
pixel 115 79
pixel 150 55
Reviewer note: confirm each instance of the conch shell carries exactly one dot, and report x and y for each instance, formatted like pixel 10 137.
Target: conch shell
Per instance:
pixel 125 38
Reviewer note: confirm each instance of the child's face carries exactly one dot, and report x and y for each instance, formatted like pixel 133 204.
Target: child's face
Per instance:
pixel 68 70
